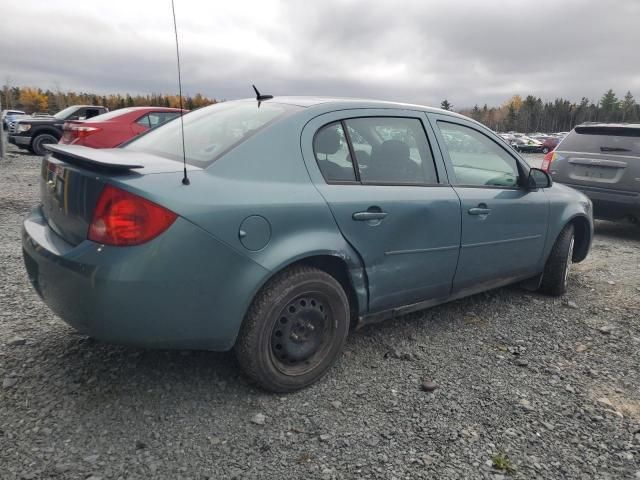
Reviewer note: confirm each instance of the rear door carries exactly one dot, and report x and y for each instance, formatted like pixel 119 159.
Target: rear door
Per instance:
pixel 393 203
pixel 503 224
pixel 599 158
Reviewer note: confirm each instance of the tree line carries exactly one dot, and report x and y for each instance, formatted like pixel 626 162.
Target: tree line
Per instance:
pixel 530 114
pixel 36 100
pixel 560 115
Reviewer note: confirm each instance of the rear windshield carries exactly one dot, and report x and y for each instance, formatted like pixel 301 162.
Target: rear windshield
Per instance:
pixel 210 132
pixel 611 141
pixel 111 114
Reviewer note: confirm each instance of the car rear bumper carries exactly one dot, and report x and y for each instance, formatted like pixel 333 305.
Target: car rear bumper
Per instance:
pixel 611 204
pixel 20 140
pixel 183 289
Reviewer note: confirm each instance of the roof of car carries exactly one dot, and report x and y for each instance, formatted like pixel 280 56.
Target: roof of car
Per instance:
pixel 609 125
pixel 346 102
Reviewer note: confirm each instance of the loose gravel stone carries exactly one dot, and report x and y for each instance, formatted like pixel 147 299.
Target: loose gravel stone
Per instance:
pixel 76 406
pixel 9 382
pixel 259 419
pixel 429 385
pixel 606 329
pixel 16 341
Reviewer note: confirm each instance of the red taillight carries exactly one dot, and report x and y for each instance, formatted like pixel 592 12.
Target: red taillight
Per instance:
pixel 546 161
pixel 124 219
pixel 75 132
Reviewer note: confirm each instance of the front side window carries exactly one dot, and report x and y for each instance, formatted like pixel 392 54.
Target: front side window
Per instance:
pixel 332 154
pixel 476 159
pixel 392 150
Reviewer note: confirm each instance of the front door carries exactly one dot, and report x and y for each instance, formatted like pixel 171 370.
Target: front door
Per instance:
pixel 388 193
pixel 503 224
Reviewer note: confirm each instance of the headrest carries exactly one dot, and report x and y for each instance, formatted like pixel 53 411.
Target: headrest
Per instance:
pixel 328 141
pixel 390 151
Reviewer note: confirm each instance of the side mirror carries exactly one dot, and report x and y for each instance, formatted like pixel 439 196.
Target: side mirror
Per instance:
pixel 538 179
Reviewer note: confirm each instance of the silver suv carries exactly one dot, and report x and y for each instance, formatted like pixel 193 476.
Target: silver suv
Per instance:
pixel 603 161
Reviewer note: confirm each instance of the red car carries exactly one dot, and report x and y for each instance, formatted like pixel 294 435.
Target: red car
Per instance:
pixel 111 129
pixel 549 144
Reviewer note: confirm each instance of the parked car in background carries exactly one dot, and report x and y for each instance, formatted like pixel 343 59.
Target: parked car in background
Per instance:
pixel 8 116
pixel 525 144
pixel 33 133
pixel 603 161
pixel 549 143
pixel 303 217
pixel 113 128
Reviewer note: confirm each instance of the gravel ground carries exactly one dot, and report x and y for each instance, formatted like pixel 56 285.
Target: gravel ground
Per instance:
pixel 527 386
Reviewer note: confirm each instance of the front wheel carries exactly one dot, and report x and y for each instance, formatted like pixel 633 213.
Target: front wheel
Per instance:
pixel 295 330
pixel 545 150
pixel 556 270
pixel 38 143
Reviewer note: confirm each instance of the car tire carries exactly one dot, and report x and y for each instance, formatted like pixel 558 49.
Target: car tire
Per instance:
pixel 294 330
pixel 545 150
pixel 38 143
pixel 556 270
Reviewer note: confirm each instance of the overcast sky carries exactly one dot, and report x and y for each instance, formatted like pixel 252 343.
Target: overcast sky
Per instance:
pixel 471 51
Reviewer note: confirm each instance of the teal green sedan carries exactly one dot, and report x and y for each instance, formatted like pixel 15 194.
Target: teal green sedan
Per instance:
pixel 303 218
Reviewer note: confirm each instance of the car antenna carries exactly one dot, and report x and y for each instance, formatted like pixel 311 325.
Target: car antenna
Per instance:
pixel 260 98
pixel 185 179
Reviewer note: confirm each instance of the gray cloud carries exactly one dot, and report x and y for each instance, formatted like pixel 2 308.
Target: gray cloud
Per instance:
pixel 416 51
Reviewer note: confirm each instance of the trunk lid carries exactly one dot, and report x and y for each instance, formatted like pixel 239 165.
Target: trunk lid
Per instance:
pixel 73 177
pixel 603 156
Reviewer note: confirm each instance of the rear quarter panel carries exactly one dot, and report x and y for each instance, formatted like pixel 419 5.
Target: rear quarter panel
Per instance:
pixel 264 176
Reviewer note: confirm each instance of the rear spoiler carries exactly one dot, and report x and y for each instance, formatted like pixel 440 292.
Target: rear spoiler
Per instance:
pixel 91 158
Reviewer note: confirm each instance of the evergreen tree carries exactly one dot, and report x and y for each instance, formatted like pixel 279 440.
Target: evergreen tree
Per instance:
pixel 628 108
pixel 609 106
pixel 445 105
pixel 476 114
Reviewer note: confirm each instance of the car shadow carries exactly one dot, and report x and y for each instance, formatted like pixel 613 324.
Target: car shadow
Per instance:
pixel 622 230
pixel 105 374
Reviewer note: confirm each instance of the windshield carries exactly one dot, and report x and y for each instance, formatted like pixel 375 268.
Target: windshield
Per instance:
pixel 62 114
pixel 211 131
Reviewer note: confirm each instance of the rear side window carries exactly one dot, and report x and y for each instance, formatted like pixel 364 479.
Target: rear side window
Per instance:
pixel 158 118
pixel 332 154
pixel 477 160
pixel 92 112
pixel 212 131
pixel 610 141
pixel 144 121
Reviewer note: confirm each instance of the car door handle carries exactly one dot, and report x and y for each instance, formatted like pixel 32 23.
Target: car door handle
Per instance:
pixel 480 210
pixel 366 216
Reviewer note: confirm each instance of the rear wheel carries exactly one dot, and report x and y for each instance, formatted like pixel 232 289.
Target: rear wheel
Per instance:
pixel 556 270
pixel 295 330
pixel 545 150
pixel 38 143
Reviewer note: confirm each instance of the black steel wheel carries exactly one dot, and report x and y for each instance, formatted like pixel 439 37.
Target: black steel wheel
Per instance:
pixel 295 329
pixel 38 143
